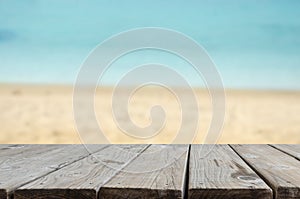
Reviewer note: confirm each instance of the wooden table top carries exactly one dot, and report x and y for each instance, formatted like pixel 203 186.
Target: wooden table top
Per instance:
pixel 149 171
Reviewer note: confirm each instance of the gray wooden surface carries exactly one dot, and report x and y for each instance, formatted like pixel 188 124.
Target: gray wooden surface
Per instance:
pixel 21 165
pixel 83 178
pixel 222 174
pixel 149 171
pixel 281 171
pixel 159 172
pixel 291 149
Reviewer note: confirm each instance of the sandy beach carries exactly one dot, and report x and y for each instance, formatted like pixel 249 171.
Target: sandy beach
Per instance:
pixel 44 114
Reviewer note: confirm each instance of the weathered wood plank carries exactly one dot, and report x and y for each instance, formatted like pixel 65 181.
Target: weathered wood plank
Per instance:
pixel 291 149
pixel 15 152
pixel 223 174
pixel 159 172
pixel 281 171
pixel 83 178
pixel 35 161
pixel 7 146
pixel 10 158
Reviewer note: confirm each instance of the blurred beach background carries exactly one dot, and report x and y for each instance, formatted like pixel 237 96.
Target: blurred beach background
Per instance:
pixel 254 44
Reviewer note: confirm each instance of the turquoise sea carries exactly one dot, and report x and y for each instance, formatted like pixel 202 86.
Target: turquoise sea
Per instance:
pixel 254 43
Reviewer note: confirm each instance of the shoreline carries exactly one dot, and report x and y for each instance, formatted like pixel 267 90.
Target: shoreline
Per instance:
pixel 60 86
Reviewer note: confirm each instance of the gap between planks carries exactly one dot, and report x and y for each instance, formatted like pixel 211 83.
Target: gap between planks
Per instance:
pixel 187 174
pixel 291 150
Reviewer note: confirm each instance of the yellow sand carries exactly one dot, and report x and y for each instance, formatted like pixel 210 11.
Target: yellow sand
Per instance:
pixel 44 114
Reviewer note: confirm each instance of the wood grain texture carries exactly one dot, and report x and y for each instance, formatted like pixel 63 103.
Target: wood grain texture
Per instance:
pixel 6 146
pixel 35 161
pixel 281 171
pixel 142 171
pixel 159 172
pixel 17 151
pixel 9 156
pixel 83 178
pixel 223 174
pixel 291 149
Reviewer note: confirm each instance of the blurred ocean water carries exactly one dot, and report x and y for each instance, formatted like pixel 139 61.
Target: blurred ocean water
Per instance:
pixel 255 44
